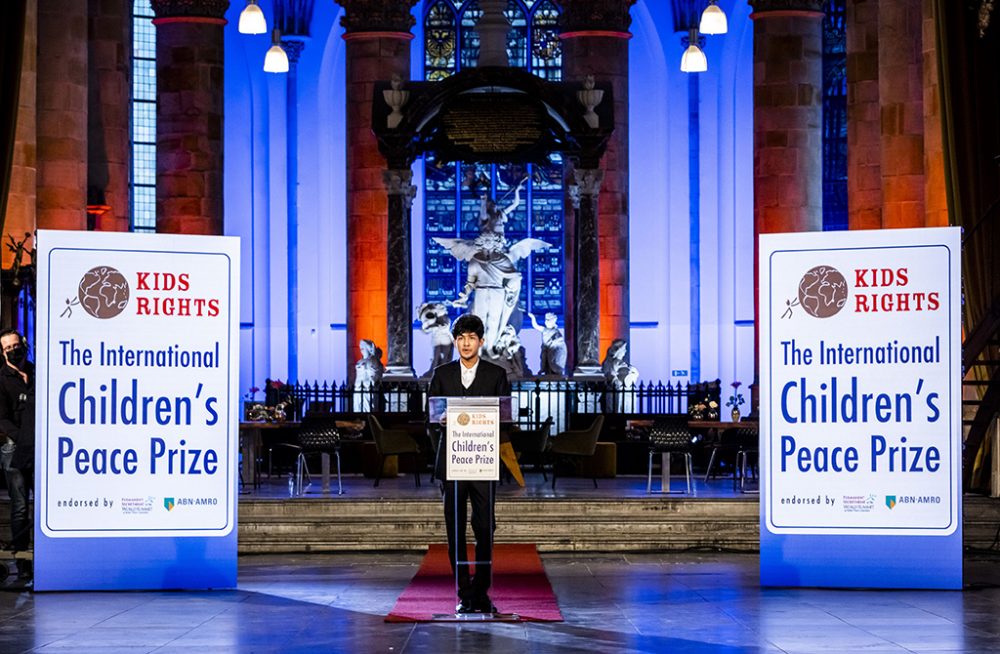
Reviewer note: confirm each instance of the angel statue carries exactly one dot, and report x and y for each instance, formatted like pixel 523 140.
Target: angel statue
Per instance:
pixel 493 279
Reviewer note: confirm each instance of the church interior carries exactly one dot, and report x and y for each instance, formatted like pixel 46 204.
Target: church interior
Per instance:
pixel 591 178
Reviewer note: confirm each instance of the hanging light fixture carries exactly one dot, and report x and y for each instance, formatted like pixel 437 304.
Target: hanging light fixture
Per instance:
pixel 276 61
pixel 694 60
pixel 252 19
pixel 713 20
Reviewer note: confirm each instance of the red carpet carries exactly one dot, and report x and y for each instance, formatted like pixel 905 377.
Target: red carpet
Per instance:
pixel 519 586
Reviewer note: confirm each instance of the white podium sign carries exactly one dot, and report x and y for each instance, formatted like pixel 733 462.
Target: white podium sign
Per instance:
pixel 472 439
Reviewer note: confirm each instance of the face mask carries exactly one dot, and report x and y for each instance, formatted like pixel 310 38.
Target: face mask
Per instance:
pixel 16 355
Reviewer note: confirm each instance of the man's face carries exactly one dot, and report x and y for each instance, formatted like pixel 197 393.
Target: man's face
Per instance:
pixel 10 342
pixel 468 344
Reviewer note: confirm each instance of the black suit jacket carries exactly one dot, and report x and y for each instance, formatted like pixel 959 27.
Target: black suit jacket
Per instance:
pixel 490 381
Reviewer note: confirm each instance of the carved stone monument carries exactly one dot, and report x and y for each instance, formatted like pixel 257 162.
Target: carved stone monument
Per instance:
pixel 434 322
pixel 553 359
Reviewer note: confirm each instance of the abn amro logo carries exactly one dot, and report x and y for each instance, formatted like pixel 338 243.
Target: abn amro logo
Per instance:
pixel 890 501
pixel 168 503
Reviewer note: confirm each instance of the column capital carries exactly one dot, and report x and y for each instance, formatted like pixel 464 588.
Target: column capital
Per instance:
pixel 588 180
pixel 606 16
pixel 189 10
pixel 383 16
pixel 397 182
pixel 801 7
pixel 293 48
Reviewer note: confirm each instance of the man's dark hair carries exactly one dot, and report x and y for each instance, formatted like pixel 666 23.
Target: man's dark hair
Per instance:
pixel 20 336
pixel 468 324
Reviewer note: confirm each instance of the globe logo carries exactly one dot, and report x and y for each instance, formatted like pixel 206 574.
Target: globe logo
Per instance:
pixel 463 419
pixel 103 292
pixel 822 292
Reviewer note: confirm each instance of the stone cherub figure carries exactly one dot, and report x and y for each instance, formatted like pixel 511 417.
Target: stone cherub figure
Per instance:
pixel 493 280
pixel 553 359
pixel 434 321
pixel 619 373
pixel 510 354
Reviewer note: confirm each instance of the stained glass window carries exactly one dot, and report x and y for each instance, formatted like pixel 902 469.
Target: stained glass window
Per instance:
pixel 143 177
pixel 834 116
pixel 453 192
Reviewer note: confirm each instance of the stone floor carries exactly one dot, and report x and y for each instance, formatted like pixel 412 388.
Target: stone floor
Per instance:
pixel 689 602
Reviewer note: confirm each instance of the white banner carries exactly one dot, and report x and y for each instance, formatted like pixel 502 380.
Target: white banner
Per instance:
pixel 472 442
pixel 860 382
pixel 136 389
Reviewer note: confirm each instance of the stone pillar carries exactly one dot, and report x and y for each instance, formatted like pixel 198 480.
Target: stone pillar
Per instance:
pixel 293 49
pixel 900 86
pixel 189 131
pixel 399 299
pixel 595 42
pixel 788 110
pixel 864 152
pixel 19 217
pixel 108 114
pixel 377 36
pixel 62 114
pixel 588 278
pixel 935 194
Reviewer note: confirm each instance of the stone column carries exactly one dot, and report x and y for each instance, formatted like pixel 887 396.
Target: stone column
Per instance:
pixel 864 152
pixel 399 298
pixel 62 114
pixel 788 110
pixel 900 87
pixel 189 85
pixel 109 115
pixel 293 49
pixel 595 35
pixel 935 194
pixel 21 196
pixel 588 280
pixel 377 36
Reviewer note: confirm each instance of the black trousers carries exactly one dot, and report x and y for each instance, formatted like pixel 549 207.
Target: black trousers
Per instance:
pixel 482 495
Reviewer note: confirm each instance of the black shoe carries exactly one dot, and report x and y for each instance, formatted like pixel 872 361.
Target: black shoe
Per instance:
pixel 483 605
pixel 465 606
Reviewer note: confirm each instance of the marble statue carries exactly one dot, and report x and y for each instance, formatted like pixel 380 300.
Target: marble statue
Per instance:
pixel 367 373
pixel 616 369
pixel 510 354
pixel 553 360
pixel 493 281
pixel 434 321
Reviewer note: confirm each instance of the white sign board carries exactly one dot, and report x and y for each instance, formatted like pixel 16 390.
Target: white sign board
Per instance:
pixel 860 382
pixel 136 390
pixel 472 439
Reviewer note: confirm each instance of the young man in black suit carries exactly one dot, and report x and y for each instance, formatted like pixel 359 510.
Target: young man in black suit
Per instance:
pixel 470 376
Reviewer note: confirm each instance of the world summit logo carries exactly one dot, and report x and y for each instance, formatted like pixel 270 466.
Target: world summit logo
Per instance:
pixel 463 419
pixel 103 292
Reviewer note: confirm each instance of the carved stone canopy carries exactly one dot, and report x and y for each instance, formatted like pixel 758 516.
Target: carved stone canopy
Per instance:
pixel 596 15
pixel 190 8
pixel 377 15
pixel 765 6
pixel 493 115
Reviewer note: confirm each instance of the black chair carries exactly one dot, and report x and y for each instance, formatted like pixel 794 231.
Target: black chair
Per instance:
pixel 575 445
pixel 390 442
pixel 318 433
pixel 533 442
pixel 670 436
pixel 747 442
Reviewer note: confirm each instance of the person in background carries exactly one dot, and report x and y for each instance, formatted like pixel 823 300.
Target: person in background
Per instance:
pixel 17 434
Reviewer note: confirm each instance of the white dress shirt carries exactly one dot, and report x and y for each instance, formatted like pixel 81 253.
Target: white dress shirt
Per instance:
pixel 468 374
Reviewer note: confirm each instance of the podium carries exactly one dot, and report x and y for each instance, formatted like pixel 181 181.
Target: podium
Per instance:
pixel 470 449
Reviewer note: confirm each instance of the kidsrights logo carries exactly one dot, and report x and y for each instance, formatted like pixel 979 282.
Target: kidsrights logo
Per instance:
pixel 103 292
